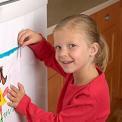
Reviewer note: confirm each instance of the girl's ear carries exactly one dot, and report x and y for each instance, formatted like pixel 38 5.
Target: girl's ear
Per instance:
pixel 93 49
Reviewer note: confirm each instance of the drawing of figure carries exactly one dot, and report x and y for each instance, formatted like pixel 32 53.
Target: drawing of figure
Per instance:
pixel 2 78
pixel 2 94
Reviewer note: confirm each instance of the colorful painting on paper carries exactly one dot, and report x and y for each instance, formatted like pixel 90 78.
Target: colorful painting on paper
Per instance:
pixel 25 69
pixel 7 65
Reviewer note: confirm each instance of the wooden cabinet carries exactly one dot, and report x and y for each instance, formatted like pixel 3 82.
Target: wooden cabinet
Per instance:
pixel 113 69
pixel 55 84
pixel 121 46
pixel 108 21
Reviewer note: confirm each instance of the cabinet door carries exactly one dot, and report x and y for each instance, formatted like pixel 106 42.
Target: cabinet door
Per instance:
pixel 108 21
pixel 113 69
pixel 55 84
pixel 121 46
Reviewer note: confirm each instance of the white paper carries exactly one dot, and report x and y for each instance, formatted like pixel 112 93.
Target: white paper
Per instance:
pixel 26 69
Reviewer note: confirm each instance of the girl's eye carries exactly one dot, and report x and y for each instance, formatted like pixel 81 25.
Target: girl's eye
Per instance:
pixel 71 45
pixel 57 47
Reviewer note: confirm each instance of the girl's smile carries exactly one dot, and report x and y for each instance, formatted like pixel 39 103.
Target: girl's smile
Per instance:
pixel 67 65
pixel 66 62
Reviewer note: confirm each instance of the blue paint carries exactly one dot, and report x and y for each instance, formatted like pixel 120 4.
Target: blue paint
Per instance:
pixel 9 52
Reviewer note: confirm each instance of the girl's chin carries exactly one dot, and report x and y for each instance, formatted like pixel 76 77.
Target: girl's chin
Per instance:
pixel 68 71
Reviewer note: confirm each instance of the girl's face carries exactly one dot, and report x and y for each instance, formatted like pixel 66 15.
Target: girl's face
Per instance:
pixel 72 50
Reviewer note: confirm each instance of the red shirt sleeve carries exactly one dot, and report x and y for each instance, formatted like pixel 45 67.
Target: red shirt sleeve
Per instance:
pixel 80 109
pixel 44 51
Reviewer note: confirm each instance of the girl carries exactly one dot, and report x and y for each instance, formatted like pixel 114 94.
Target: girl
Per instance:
pixel 80 55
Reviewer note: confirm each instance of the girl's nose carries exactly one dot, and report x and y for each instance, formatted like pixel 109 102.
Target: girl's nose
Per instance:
pixel 63 53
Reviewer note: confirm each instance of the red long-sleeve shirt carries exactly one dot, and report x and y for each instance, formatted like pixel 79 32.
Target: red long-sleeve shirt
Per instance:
pixel 87 103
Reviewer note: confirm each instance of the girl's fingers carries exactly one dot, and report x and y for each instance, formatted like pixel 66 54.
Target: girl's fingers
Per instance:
pixel 12 104
pixel 9 104
pixel 11 98
pixel 27 37
pixel 15 94
pixel 16 90
pixel 11 92
pixel 20 34
pixel 30 41
pixel 23 32
pixel 21 87
pixel 24 36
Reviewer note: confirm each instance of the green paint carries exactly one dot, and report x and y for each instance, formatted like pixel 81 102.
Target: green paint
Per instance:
pixel 1 118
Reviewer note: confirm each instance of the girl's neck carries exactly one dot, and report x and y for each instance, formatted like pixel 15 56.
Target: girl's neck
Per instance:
pixel 86 75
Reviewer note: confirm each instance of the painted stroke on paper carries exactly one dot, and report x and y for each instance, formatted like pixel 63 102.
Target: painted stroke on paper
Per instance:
pixel 3 80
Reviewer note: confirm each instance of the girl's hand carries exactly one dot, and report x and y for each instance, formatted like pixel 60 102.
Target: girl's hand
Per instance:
pixel 15 95
pixel 27 37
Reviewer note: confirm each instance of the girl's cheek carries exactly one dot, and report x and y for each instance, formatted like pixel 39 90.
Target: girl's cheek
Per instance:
pixel 56 57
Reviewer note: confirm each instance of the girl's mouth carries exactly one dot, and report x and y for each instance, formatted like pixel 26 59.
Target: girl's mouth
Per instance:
pixel 67 62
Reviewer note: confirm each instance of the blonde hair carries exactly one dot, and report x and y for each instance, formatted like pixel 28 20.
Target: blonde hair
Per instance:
pixel 88 25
